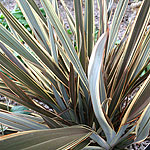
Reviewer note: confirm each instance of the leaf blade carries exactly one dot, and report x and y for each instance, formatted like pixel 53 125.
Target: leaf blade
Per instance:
pixel 44 138
pixel 93 75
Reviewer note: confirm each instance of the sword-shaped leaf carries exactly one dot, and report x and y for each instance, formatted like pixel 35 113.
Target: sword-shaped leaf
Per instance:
pixel 72 87
pixel 90 27
pixel 35 7
pixel 94 79
pixel 12 57
pixel 63 138
pixel 18 123
pixel 142 96
pixel 143 125
pixel 142 101
pixel 34 45
pixel 100 141
pixel 7 38
pixel 80 38
pixel 117 18
pixel 138 30
pixel 70 50
pixel 35 24
pixel 24 78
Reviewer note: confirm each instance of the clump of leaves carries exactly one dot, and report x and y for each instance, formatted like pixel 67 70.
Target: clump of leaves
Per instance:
pixel 19 16
pixel 80 93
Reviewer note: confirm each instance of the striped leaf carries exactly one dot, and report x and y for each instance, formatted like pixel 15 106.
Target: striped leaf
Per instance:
pixel 64 138
pixel 94 79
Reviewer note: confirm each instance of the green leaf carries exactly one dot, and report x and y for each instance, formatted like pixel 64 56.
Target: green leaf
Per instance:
pixel 5 106
pixel 68 13
pixel 52 123
pixel 82 144
pixel 118 135
pixel 2 129
pixel 53 46
pixel 20 109
pixel 143 56
pixel 125 137
pixel 18 14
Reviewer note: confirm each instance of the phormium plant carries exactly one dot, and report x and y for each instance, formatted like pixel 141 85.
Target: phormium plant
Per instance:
pixel 78 95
